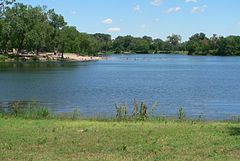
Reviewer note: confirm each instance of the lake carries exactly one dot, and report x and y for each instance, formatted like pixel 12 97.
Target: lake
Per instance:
pixel 205 85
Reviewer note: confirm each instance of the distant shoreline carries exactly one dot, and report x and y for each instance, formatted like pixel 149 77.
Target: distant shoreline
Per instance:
pixel 73 57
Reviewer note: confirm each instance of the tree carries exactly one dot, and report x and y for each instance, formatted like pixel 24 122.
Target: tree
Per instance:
pixel 147 38
pixel 174 41
pixel 157 45
pixel 88 45
pixel 142 46
pixel 4 4
pixel 36 29
pixel 68 40
pixel 104 42
pixel 198 44
pixel 38 38
pixel 57 22
pixel 228 46
pixel 123 43
pixel 39 31
pixel 17 25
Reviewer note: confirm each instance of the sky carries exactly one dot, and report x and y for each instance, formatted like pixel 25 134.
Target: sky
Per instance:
pixel 155 18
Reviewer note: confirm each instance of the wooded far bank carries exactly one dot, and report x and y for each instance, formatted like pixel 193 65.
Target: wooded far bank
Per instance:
pixel 28 29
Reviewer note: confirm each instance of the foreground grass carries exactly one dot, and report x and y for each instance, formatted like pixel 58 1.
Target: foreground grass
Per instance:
pixel 94 140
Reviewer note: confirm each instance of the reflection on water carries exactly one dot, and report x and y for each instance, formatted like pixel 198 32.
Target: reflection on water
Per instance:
pixel 208 85
pixel 34 66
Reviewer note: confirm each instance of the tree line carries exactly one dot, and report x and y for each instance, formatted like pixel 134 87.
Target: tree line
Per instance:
pixel 29 29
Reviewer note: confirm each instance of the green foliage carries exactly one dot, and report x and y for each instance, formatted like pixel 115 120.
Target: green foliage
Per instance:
pixel 201 117
pixel 139 113
pixel 104 42
pixel 28 110
pixel 198 44
pixel 122 112
pixel 228 46
pixel 3 57
pixel 4 4
pixel 235 119
pixel 29 29
pixel 34 29
pixel 37 113
pixel 174 41
pixel 181 114
pixel 76 114
pixel 16 108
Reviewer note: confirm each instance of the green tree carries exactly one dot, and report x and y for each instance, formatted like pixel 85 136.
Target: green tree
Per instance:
pixel 39 32
pixel 123 43
pixel 38 38
pixel 17 25
pixel 88 45
pixel 4 4
pixel 198 44
pixel 68 39
pixel 229 45
pixel 142 46
pixel 57 22
pixel 104 42
pixel 174 41
pixel 157 45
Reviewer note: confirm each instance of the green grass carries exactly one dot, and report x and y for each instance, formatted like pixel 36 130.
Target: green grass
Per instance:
pixel 54 139
pixel 3 57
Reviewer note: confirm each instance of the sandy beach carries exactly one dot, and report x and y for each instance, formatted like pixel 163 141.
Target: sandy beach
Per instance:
pixel 56 57
pixel 75 57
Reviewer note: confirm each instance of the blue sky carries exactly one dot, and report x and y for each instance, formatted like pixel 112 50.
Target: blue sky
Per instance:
pixel 156 18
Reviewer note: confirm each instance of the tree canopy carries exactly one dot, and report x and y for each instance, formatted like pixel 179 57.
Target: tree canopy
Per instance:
pixel 29 29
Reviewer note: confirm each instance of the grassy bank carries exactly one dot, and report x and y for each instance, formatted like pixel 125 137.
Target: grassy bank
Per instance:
pixel 53 139
pixel 31 132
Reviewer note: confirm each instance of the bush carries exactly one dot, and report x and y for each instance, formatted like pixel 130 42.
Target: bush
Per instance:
pixel 122 111
pixel 181 113
pixel 3 58
pixel 28 110
pixel 76 114
pixel 140 113
pixel 17 108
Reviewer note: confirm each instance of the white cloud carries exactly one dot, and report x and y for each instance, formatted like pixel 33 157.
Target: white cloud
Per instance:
pixel 114 29
pixel 107 21
pixel 191 1
pixel 173 9
pixel 136 8
pixel 156 2
pixel 199 9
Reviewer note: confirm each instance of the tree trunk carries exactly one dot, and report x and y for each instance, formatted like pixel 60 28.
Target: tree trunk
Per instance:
pixel 37 52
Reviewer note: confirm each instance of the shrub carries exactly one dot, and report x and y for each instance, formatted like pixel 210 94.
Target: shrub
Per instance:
pixel 235 119
pixel 3 58
pixel 181 113
pixel 76 114
pixel 17 108
pixel 122 111
pixel 139 112
pixel 28 110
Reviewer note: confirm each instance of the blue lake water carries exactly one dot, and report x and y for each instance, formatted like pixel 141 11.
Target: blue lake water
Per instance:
pixel 201 84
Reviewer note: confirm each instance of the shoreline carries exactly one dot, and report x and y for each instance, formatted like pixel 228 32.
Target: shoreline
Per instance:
pixel 48 57
pixel 33 110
